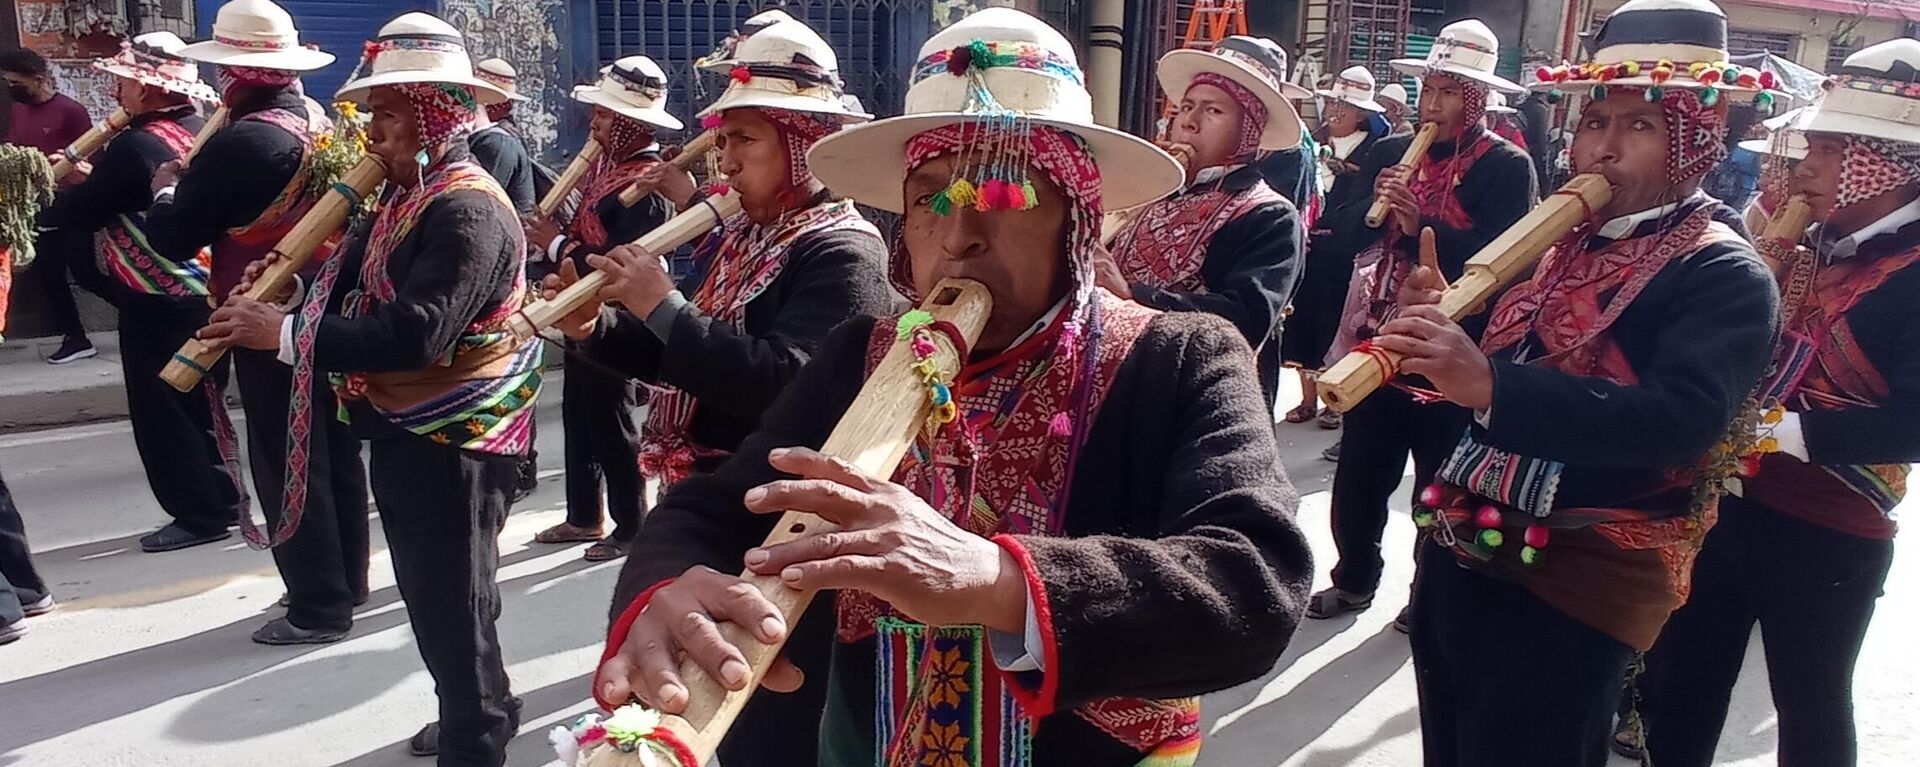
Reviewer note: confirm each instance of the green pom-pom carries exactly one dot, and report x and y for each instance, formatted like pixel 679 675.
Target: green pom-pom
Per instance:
pixel 942 204
pixel 1529 556
pixel 1423 518
pixel 1709 96
pixel 1553 97
pixel 1654 93
pixel 1763 101
pixel 1599 93
pixel 1492 538
pixel 1033 197
pixel 981 54
pixel 911 321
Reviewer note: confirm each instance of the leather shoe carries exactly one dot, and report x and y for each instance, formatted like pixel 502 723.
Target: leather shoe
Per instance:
pixel 174 538
pixel 281 631
pixel 426 742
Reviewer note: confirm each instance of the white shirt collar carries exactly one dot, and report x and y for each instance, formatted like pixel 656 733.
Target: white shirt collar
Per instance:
pixel 1892 222
pixel 1043 322
pixel 1215 173
pixel 1344 145
pixel 1621 227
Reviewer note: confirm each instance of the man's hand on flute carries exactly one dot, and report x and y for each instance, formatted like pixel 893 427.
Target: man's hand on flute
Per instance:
pixel 682 619
pixel 245 323
pixel 1431 344
pixel 541 232
pixel 1404 210
pixel 166 175
pixel 891 544
pixel 635 278
pixel 579 324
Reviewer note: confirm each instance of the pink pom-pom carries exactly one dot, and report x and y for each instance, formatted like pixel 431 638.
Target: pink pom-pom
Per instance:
pixel 995 192
pixel 711 121
pixel 1430 496
pixel 1488 516
pixel 1060 426
pixel 1016 199
pixel 1767 80
pixel 922 347
pixel 741 74
pixel 716 190
pixel 1537 536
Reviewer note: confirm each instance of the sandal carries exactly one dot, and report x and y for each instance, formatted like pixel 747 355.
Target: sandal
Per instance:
pixel 606 550
pixel 1302 414
pixel 1329 419
pixel 565 533
pixel 1629 740
pixel 1335 602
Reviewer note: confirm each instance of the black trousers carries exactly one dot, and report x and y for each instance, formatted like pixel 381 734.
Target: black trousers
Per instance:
pixel 442 508
pixel 1812 590
pixel 55 252
pixel 173 431
pixel 1374 443
pixel 1504 678
pixel 324 564
pixel 20 584
pixel 602 445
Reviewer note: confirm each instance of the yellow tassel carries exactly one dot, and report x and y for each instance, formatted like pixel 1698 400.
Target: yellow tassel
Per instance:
pixel 961 192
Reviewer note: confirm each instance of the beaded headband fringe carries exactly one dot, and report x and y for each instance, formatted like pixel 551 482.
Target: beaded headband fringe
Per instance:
pixel 1708 76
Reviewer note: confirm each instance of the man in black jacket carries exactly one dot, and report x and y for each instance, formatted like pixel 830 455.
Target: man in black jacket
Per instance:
pixel 1470 186
pixel 602 442
pixel 498 146
pixel 244 190
pixel 1071 565
pixel 769 286
pixel 1226 243
pixel 411 318
pixel 161 302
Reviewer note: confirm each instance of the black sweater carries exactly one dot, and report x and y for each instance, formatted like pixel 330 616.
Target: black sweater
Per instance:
pixel 735 374
pixel 1698 337
pixel 623 224
pixel 504 155
pixel 1181 570
pixel 122 178
pixel 1496 191
pixel 1887 328
pixel 238 173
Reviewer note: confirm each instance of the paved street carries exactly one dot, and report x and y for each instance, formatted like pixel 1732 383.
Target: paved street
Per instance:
pixel 148 663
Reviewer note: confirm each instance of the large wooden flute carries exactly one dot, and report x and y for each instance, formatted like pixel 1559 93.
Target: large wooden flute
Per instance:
pixel 90 142
pixel 1356 375
pixel 873 435
pixel 692 153
pixel 1417 150
pixel 569 178
pixel 195 357
pixel 1784 231
pixel 702 217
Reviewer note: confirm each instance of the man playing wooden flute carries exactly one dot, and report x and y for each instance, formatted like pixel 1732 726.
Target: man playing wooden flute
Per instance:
pixel 420 354
pixel 1804 545
pixel 498 148
pixel 1226 243
pixel 161 302
pixel 773 281
pixel 1468 187
pixel 1559 534
pixel 1099 534
pixel 602 442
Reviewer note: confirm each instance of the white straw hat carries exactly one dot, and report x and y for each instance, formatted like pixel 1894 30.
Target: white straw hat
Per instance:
pixel 1045 86
pixel 1497 104
pixel 256 33
pixel 1876 93
pixel 775 61
pixel 154 59
pixel 1464 48
pixel 1354 86
pixel 1661 44
pixel 501 74
pixel 1254 63
pixel 634 87
pixel 417 48
pixel 1397 94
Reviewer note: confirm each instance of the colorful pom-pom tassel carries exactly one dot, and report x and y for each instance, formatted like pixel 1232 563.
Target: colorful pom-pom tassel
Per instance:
pixel 941 394
pixel 1630 68
pixel 1660 74
pixel 946 413
pixel 1767 80
pixel 1653 94
pixel 962 192
pixel 1492 538
pixel 1748 79
pixel 712 121
pixel 1708 76
pixel 960 60
pixel 1530 556
pixel 1423 518
pixel 1031 197
pixel 911 321
pixel 1598 93
pixel 942 204
pixel 994 194
pixel 1763 101
pixel 1431 495
pixel 741 74
pixel 1543 74
pixel 1536 536
pixel 1488 516
pixel 1694 69
pixel 1060 425
pixel 1709 96
pixel 1016 197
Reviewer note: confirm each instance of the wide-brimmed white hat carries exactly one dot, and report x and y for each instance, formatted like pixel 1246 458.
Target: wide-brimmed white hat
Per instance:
pixel 775 61
pixel 1497 104
pixel 1354 85
pixel 1465 48
pixel 256 33
pixel 501 74
pixel 1664 44
pixel 634 87
pixel 1040 82
pixel 154 59
pixel 1785 138
pixel 1875 93
pixel 1254 63
pixel 1397 94
pixel 417 47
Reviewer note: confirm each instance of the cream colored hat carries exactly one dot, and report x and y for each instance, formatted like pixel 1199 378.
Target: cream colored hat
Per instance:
pixel 1255 63
pixel 154 59
pixel 1031 74
pixel 634 87
pixel 417 48
pixel 1497 104
pixel 256 33
pixel 1397 94
pixel 501 74
pixel 1876 93
pixel 1663 44
pixel 777 62
pixel 1355 86
pixel 1464 48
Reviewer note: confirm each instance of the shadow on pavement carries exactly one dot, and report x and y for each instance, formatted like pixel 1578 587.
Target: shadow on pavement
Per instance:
pixel 567 698
pixel 1292 721
pixel 1311 635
